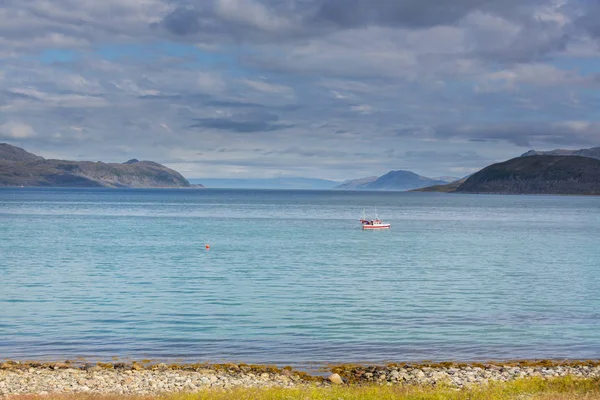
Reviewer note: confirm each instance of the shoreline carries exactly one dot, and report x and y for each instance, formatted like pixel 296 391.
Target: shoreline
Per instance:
pixel 146 378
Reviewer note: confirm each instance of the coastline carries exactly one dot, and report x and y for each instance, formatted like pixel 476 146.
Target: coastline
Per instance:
pixel 146 378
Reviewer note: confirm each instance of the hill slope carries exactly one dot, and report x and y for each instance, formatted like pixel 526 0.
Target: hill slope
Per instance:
pixel 16 154
pixel 20 168
pixel 537 174
pixel 447 188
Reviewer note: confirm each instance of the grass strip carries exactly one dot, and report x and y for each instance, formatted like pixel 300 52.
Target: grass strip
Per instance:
pixel 565 388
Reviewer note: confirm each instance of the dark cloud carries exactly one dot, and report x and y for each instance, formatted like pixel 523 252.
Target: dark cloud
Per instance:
pixel 234 104
pixel 590 20
pixel 399 13
pixel 243 123
pixel 535 41
pixel 7 98
pixel 182 21
pixel 444 156
pixel 526 134
pixel 309 152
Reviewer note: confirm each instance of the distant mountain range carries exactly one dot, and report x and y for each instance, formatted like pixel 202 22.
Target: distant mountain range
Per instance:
pixel 393 180
pixel 21 168
pixel 274 183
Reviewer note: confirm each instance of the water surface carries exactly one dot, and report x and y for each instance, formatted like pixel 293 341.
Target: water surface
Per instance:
pixel 292 279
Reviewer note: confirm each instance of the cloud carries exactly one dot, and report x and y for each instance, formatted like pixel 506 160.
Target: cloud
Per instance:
pixel 243 123
pixel 588 19
pixel 16 130
pixel 250 13
pixel 407 13
pixel 266 87
pixel 59 99
pixel 320 86
pixel 37 24
pixel 211 82
pixel 362 109
pixel 182 21
pixel 537 74
pixel 526 134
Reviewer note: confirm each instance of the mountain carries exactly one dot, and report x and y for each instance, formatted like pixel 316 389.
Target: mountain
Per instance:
pixel 393 180
pixel 593 152
pixel 398 180
pixel 274 183
pixel 537 174
pixel 21 168
pixel 356 183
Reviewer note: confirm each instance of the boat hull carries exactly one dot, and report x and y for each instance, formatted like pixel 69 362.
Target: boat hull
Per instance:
pixel 381 226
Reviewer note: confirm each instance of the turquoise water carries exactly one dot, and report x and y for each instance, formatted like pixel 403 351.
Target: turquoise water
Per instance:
pixel 292 279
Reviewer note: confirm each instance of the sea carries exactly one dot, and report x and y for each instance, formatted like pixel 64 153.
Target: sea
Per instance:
pixel 290 278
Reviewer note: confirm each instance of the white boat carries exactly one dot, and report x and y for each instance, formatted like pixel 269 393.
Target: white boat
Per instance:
pixel 376 223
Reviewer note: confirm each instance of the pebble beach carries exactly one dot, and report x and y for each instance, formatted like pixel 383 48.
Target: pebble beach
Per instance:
pixel 135 379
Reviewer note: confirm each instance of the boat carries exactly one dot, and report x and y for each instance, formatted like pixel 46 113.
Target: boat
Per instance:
pixel 368 224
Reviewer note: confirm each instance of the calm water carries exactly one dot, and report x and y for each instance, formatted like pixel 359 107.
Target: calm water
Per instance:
pixel 292 279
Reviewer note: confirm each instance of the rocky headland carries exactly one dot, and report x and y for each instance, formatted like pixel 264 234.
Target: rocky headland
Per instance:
pixel 531 174
pixel 537 174
pixel 21 168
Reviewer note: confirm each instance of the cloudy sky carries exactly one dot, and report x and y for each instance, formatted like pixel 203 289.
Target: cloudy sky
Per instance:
pixel 333 89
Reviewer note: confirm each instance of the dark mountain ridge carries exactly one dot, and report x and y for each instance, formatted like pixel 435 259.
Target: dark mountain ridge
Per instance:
pixel 537 174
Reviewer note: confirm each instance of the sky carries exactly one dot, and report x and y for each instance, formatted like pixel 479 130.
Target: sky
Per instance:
pixel 331 89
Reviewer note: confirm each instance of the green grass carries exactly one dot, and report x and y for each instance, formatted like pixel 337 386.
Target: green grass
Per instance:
pixel 524 389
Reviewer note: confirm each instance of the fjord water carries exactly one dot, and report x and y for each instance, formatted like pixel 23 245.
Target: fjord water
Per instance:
pixel 292 279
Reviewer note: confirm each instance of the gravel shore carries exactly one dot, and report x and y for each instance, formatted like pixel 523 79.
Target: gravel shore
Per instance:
pixel 37 378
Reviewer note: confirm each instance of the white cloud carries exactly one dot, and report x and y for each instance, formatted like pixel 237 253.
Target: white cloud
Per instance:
pixel 252 13
pixel 61 100
pixel 266 87
pixel 210 82
pixel 537 74
pixel 362 109
pixel 16 130
pixel 338 95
